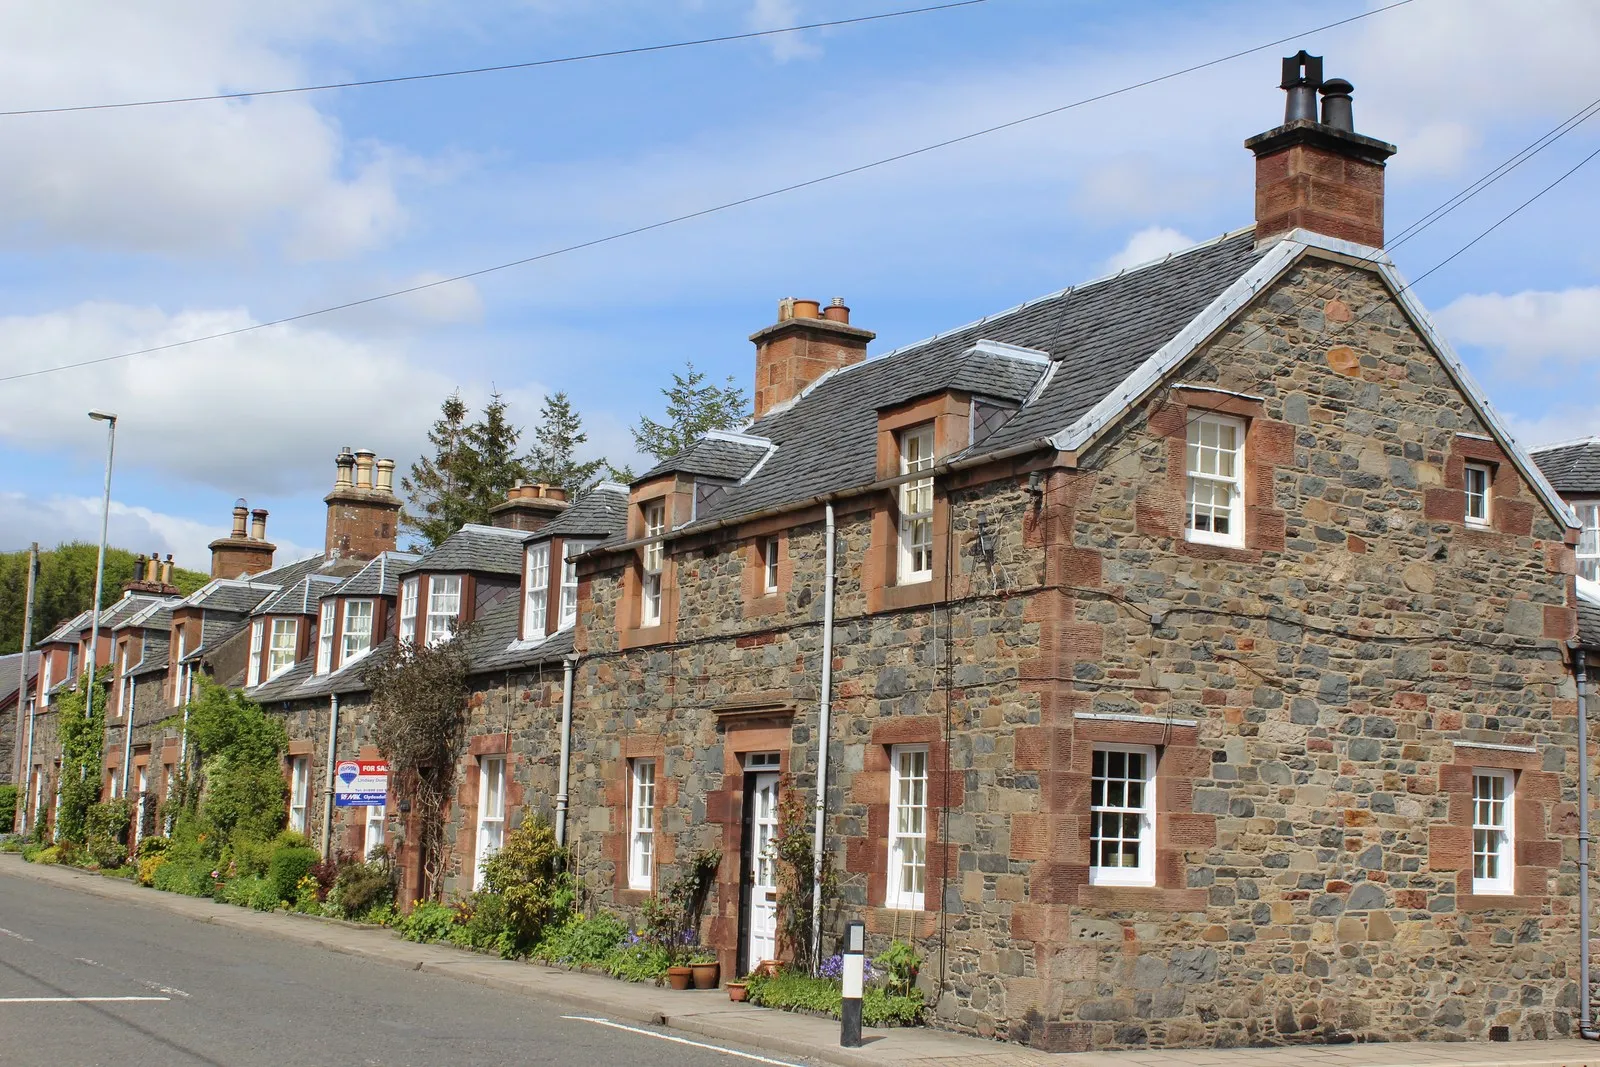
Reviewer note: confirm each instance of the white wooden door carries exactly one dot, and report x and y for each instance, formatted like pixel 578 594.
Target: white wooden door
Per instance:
pixel 762 919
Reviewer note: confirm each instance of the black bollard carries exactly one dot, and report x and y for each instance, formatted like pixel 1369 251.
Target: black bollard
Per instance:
pixel 855 944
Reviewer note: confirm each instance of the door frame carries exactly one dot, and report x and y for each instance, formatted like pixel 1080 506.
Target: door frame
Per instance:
pixel 755 764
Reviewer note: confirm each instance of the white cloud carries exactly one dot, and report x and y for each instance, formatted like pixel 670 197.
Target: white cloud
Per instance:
pixel 54 519
pixel 257 414
pixel 1564 424
pixel 188 178
pixel 1528 328
pixel 1150 243
pixel 451 302
pixel 776 14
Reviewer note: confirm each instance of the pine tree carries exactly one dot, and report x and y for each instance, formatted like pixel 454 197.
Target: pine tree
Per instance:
pixel 438 489
pixel 556 440
pixel 693 407
pixel 493 441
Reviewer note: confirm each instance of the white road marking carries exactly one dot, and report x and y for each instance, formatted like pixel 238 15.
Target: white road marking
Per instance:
pixel 74 1000
pixel 12 933
pixel 679 1040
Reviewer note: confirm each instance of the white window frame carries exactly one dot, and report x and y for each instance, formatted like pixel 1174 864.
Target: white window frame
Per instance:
pixel 1100 781
pixel 1589 540
pixel 258 630
pixel 444 607
pixel 280 653
pixel 641 823
pixel 1480 498
pixel 1196 452
pixel 299 792
pixel 491 813
pixel 122 681
pixel 570 551
pixel 536 584
pixel 1494 842
pixel 372 835
pixel 356 641
pixel 916 506
pixel 325 621
pixel 655 526
pixel 49 669
pixel 906 886
pixel 769 569
pixel 408 611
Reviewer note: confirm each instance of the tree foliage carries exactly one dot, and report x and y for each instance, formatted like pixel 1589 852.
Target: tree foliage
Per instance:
pixel 556 440
pixel 419 700
pixel 65 587
pixel 80 735
pixel 694 406
pixel 239 748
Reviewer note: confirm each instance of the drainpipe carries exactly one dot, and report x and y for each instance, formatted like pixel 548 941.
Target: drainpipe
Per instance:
pixel 327 793
pixel 30 801
pixel 1584 1027
pixel 127 727
pixel 24 769
pixel 824 715
pixel 568 662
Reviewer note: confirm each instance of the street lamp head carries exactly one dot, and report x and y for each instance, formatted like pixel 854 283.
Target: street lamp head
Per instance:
pixel 101 416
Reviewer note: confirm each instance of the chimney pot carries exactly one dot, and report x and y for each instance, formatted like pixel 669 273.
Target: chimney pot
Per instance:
pixel 153 574
pixel 1302 76
pixel 555 492
pixel 385 476
pixel 1336 110
pixel 365 458
pixel 837 311
pixel 786 309
pixel 346 463
pixel 240 510
pixel 258 524
pixel 166 570
pixel 807 309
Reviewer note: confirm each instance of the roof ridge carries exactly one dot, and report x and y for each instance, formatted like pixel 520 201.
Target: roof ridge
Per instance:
pixel 1592 439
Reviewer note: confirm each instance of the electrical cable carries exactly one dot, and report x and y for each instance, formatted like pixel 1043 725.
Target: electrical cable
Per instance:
pixel 728 205
pixel 529 64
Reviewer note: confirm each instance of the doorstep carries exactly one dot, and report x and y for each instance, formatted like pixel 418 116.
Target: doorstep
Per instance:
pixel 711 1015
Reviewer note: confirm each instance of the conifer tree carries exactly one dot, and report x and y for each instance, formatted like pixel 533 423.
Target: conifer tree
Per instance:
pixel 438 487
pixel 556 440
pixel 496 467
pixel 693 407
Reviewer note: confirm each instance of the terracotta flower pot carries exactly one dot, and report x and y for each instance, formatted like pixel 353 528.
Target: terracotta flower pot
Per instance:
pixel 767 968
pixel 706 975
pixel 680 977
pixel 738 992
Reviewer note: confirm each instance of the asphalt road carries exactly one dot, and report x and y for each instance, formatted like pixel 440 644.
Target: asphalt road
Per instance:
pixel 183 992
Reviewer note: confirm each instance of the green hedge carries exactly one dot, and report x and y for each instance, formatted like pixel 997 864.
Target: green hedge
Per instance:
pixel 288 865
pixel 799 992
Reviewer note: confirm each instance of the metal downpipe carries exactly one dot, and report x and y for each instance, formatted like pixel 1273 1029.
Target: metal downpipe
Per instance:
pixel 568 663
pixel 824 717
pixel 327 793
pixel 1584 1027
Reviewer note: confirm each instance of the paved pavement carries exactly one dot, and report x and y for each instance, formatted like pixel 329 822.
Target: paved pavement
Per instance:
pixel 253 988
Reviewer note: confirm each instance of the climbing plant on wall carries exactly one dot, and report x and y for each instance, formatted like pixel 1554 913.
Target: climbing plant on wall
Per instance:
pixel 419 697
pixel 80 736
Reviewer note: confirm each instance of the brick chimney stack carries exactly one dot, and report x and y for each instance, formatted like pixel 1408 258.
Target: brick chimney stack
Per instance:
pixel 240 552
pixel 528 507
pixel 363 512
pixel 805 343
pixel 152 577
pixel 1318 174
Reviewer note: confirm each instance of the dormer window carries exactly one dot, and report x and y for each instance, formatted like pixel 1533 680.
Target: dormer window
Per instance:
pixel 280 654
pixel 252 675
pixel 655 526
pixel 408 611
pixel 325 637
pixel 356 638
pixel 444 607
pixel 536 586
pixel 916 505
pixel 570 551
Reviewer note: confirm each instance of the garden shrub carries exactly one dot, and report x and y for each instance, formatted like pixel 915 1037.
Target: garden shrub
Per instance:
pixel 288 865
pixel 106 827
pixel 47 856
pixel 583 941
pixel 794 991
pixel 638 960
pixel 526 873
pixel 11 842
pixel 8 804
pixel 427 921
pixel 148 866
pixel 175 876
pixel 481 921
pixel 360 887
pixel 153 845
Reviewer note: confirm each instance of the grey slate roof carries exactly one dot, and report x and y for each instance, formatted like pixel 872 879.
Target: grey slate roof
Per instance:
pixel 380 577
pixel 155 617
pixel 1096 334
pixel 1572 467
pixel 69 630
pixel 601 512
pixel 11 674
pixel 230 595
pixel 157 656
pixel 300 598
pixel 1589 630
pixel 714 456
pixel 481 549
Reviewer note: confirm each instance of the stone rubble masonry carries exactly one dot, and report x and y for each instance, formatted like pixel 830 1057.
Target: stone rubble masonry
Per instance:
pixel 1315 698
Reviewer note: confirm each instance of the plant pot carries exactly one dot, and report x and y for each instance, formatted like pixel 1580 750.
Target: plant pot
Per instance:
pixel 738 992
pixel 680 977
pixel 767 968
pixel 706 975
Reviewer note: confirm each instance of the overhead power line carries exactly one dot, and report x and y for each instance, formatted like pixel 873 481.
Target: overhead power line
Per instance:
pixel 703 212
pixel 527 65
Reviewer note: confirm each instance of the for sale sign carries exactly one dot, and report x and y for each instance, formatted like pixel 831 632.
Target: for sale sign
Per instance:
pixel 360 783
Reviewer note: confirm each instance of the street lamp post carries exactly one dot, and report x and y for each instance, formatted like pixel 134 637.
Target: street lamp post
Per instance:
pixel 100 563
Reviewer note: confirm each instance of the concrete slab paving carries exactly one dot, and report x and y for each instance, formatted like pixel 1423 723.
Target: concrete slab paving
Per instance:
pixel 711 1015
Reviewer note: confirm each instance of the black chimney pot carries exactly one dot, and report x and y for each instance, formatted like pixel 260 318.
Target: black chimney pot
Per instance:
pixel 1302 77
pixel 1336 110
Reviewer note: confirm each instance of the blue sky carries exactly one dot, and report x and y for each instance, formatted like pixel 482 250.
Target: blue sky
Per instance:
pixel 122 229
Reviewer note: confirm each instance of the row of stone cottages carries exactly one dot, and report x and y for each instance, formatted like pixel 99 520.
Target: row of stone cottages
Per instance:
pixel 1187 654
